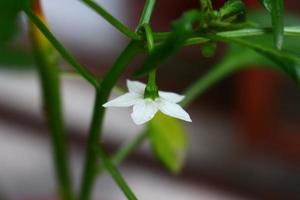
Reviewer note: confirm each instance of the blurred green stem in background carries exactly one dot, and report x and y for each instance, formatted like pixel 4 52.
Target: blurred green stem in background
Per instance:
pixel 48 69
pixel 60 48
pixel 110 166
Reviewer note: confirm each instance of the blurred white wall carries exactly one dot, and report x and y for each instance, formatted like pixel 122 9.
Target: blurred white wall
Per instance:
pixel 82 29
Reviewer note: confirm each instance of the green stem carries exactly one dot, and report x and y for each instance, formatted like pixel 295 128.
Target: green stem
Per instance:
pixel 111 19
pixel 59 47
pixel 102 94
pixel 288 31
pixel 204 82
pixel 147 12
pixel 126 149
pixel 113 170
pixel 49 77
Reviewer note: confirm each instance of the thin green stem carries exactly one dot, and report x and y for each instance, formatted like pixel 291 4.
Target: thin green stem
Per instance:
pixel 126 149
pixel 147 12
pixel 129 147
pixel 49 77
pixel 102 94
pixel 48 71
pixel 288 31
pixel 111 19
pixel 204 82
pixel 116 175
pixel 60 48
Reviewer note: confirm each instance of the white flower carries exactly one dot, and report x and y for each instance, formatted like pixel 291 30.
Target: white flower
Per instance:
pixel 145 109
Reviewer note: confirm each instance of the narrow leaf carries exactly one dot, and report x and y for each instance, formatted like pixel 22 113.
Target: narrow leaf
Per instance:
pixel 233 10
pixel 288 62
pixel 168 141
pixel 276 9
pixel 278 21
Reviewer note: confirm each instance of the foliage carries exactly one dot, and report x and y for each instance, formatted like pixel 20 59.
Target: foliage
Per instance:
pixel 250 42
pixel 168 140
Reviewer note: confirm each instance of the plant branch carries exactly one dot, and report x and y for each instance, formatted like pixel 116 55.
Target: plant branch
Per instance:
pixel 102 94
pixel 48 71
pixel 204 82
pixel 147 12
pixel 126 149
pixel 109 165
pixel 60 48
pixel 288 31
pixel 111 19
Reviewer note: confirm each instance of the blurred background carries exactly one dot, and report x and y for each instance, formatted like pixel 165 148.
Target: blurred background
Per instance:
pixel 244 142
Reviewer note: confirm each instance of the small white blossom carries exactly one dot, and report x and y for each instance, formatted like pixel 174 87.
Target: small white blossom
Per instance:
pixel 145 109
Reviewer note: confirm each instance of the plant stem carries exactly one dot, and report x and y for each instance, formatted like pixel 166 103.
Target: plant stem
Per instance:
pixel 59 47
pixel 102 94
pixel 111 19
pixel 126 149
pixel 50 84
pixel 109 165
pixel 147 12
pixel 204 82
pixel 288 31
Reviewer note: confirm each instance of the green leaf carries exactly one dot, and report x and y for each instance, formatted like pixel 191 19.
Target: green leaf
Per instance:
pixel 288 62
pixel 277 14
pixel 276 9
pixel 182 30
pixel 266 4
pixel 168 140
pixel 206 5
pixel 8 19
pixel 9 11
pixel 15 57
pixel 233 10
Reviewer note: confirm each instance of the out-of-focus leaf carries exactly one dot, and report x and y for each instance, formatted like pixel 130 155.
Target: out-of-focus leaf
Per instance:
pixel 288 62
pixel 9 11
pixel 277 14
pixel 168 141
pixel 15 57
pixel 276 10
pixel 8 19
pixel 206 5
pixel 233 10
pixel 182 29
pixel 266 4
pixel 238 56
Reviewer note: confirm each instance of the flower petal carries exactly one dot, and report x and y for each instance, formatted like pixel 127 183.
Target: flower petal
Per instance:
pixel 136 87
pixel 173 110
pixel 144 111
pixel 124 100
pixel 171 96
